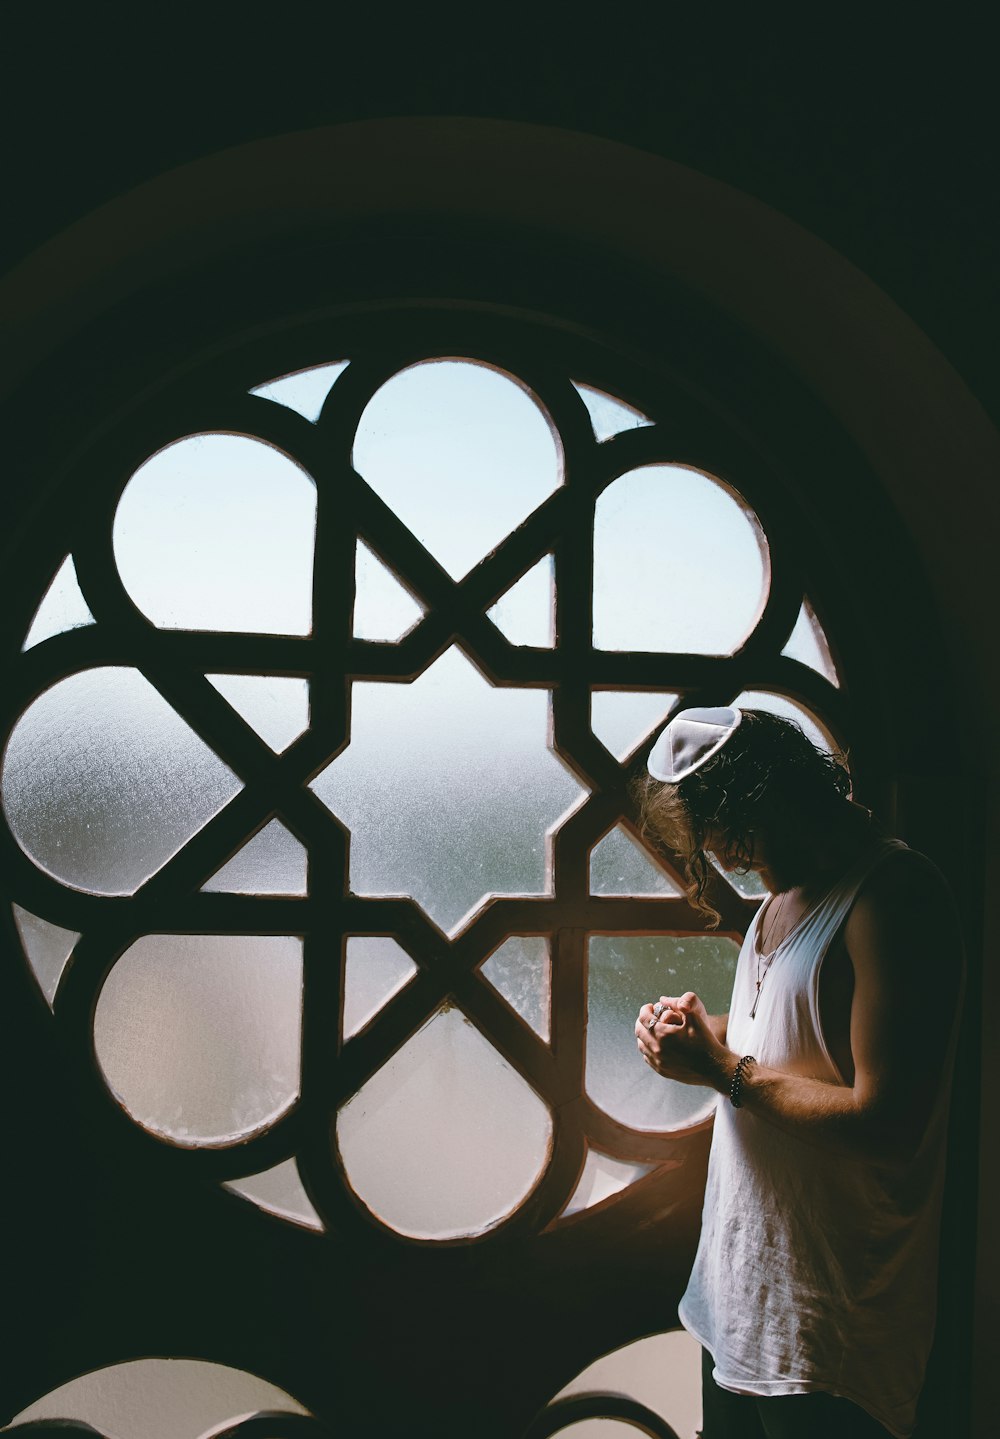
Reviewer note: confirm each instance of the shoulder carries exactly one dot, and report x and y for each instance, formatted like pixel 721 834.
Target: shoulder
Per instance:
pixel 904 877
pixel 905 909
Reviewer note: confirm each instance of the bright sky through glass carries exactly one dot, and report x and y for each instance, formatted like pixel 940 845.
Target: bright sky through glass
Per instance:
pixel 609 416
pixel 62 608
pixel 305 391
pixel 677 564
pixel 215 532
pixel 461 452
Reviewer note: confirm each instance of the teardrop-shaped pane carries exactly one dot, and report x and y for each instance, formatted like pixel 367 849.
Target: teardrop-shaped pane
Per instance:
pixel 603 1176
pixel 376 968
pixel 273 862
pixel 526 613
pixel 791 710
pixel 198 1035
pixel 47 949
pixel 521 970
pixel 160 1399
pixel 449 787
pixel 625 972
pixel 279 1191
pixel 608 415
pixel 680 564
pixel 62 608
pixel 276 706
pixel 619 864
pixel 215 532
pixel 103 781
pixel 412 1138
pixel 622 719
pixel 463 453
pixel 305 391
pixel 661 1371
pixel 808 644
pixel 749 885
pixel 384 609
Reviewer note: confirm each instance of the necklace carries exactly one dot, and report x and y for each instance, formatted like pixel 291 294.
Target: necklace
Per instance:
pixel 762 974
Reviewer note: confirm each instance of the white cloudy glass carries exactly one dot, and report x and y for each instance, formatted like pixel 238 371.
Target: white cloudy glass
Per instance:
pixel 376 968
pixel 621 719
pixel 160 1399
pixel 413 1139
pixel 103 781
pixel 215 532
pixel 625 972
pixel 272 862
pixel 521 970
pixel 448 787
pixel 680 564
pixel 462 453
pixel 278 1191
pixel 198 1036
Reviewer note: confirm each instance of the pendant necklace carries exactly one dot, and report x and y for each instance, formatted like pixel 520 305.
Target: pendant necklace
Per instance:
pixel 762 974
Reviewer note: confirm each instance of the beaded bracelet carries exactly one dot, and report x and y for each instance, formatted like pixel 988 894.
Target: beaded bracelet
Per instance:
pixel 737 1084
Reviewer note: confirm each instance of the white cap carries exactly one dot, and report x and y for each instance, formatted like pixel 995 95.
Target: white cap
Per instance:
pixel 691 737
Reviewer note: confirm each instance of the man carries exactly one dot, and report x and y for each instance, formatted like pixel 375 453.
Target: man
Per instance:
pixel 813 1290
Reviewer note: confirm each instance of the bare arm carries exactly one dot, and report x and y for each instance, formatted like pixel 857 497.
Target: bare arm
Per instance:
pixel 902 940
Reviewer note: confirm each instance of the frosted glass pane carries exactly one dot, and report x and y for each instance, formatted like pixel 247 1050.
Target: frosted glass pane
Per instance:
pixel 215 532
pixel 198 1035
pixel 461 452
pixel 662 1371
pixel 526 613
pixel 600 1429
pixel 521 970
pixel 448 787
pixel 276 706
pixel 376 969
pixel 103 781
pixel 623 973
pixel 160 1399
pixel 62 608
pixel 620 865
pixel 808 644
pixel 384 609
pixel 305 391
pixel 47 948
pixel 750 885
pixel 273 862
pixel 603 1176
pixel 608 415
pixel 414 1138
pixel 679 564
pixel 788 709
pixel 279 1191
pixel 621 720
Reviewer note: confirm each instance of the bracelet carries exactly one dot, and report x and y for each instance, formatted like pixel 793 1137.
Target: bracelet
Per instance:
pixel 736 1087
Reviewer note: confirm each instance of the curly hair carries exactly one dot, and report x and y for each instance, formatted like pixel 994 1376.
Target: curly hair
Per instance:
pixel 766 773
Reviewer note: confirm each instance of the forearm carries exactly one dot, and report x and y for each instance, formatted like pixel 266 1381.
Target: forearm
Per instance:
pixel 832 1116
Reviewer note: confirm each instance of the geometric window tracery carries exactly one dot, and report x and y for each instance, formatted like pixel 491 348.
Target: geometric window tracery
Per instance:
pixel 375 658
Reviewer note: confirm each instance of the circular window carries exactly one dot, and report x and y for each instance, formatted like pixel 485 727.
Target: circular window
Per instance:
pixel 318 767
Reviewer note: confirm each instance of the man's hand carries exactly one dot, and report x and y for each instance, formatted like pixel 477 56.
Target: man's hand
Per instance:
pixel 682 1042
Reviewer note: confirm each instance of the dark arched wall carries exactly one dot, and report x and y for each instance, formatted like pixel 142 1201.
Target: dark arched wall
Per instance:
pixel 660 235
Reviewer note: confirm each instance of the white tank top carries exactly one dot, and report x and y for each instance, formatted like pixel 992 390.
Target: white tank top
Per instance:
pixel 813 1272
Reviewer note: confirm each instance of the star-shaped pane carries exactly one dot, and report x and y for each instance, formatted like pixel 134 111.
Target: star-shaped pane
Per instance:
pixel 449 788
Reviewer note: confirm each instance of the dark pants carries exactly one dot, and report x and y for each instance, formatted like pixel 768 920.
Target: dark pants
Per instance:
pixel 781 1416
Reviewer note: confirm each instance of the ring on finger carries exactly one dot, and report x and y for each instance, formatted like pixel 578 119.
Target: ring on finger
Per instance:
pixel 658 1008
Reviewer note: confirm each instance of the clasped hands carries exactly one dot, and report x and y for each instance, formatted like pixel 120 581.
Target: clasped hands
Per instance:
pixel 679 1043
